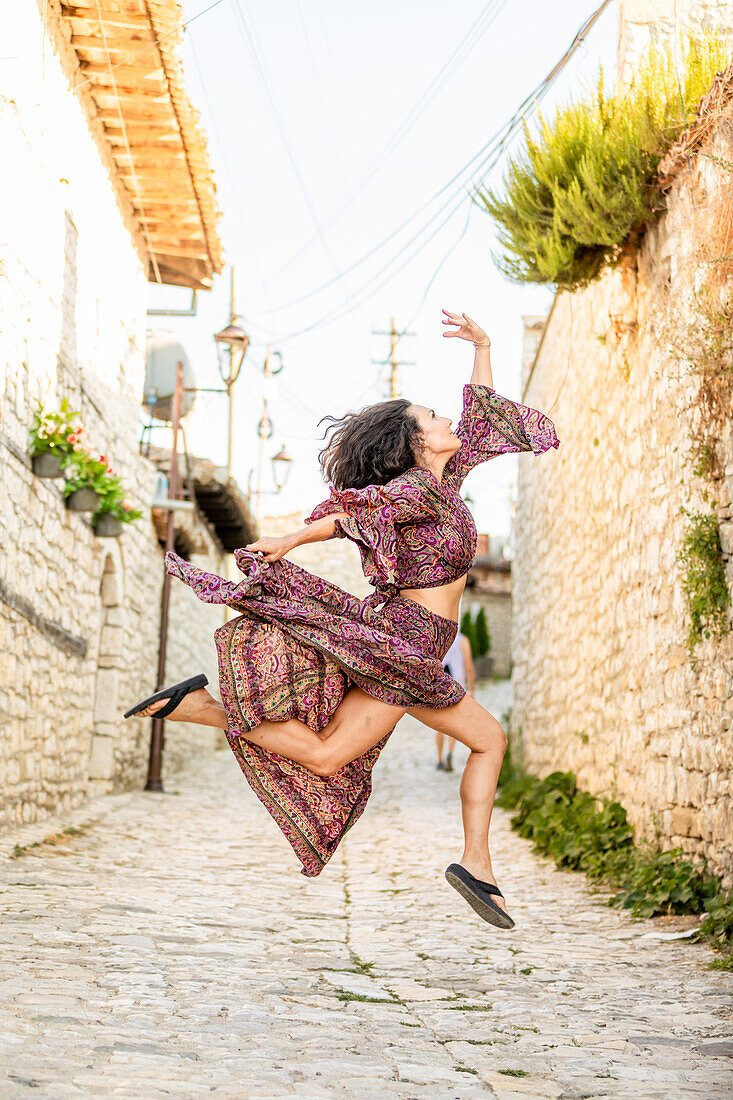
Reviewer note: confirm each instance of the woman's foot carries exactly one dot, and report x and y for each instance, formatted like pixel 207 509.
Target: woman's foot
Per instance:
pixel 482 870
pixel 482 895
pixel 198 706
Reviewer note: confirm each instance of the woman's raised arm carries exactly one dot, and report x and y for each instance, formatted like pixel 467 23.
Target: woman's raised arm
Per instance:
pixel 469 330
pixel 272 549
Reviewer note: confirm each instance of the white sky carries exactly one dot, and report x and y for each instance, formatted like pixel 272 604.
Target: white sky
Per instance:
pixel 337 79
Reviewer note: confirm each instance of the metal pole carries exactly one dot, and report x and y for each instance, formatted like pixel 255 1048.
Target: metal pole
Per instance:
pixel 230 383
pixel 157 739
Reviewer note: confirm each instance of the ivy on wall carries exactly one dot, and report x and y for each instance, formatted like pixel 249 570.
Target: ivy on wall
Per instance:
pixel 704 583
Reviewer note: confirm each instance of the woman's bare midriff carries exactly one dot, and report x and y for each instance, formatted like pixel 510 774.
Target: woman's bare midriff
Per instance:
pixel 444 601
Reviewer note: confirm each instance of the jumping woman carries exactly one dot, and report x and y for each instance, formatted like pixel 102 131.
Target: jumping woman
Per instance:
pixel 313 680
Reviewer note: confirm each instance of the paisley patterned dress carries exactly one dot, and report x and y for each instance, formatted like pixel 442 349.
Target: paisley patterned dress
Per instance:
pixel 301 642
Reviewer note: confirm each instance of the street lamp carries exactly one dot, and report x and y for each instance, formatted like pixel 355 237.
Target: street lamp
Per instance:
pixel 236 340
pixel 281 464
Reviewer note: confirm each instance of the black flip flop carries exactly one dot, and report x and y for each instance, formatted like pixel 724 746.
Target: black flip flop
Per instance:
pixel 175 693
pixel 478 895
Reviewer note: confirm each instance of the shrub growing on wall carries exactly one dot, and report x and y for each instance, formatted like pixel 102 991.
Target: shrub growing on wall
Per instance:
pixel 704 584
pixel 587 180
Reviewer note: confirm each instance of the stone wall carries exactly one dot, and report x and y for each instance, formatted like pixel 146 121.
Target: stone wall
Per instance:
pixel 78 614
pixel 604 684
pixel 665 24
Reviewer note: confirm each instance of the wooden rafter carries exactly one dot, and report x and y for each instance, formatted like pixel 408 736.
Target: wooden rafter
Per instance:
pixel 130 78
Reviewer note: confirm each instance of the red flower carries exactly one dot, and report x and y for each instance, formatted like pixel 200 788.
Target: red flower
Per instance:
pixel 71 438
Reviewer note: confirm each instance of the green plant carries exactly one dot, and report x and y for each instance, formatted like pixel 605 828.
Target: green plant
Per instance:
pixel 467 629
pixel 568 825
pixel 113 502
pixel 481 633
pixel 664 882
pixel 54 431
pixel 704 584
pixel 477 631
pixel 85 470
pixel 584 833
pixel 704 347
pixel 718 924
pixel 586 182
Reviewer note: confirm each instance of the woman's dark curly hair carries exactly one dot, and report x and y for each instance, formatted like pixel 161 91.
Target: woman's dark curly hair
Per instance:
pixel 371 446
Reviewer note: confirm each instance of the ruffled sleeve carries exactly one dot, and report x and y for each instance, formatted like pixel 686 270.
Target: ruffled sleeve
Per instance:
pixel 492 425
pixel 373 516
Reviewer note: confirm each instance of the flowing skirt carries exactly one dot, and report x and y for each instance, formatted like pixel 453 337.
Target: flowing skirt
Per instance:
pixel 296 648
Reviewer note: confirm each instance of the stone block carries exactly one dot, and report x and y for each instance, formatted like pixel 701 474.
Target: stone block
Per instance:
pixel 684 822
pixel 106 696
pixel 102 757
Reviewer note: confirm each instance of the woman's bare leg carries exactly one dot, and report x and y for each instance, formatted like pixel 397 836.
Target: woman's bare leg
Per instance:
pixel 358 724
pixel 361 721
pixel 439 746
pixel 472 725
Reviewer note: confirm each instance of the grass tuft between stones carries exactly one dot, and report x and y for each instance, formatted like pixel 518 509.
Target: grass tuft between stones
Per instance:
pixel 362 998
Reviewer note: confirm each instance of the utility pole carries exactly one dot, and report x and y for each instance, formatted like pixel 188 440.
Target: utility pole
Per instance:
pixel 231 375
pixel 395 364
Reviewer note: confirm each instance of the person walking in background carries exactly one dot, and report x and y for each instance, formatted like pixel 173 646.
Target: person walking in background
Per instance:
pixel 458 663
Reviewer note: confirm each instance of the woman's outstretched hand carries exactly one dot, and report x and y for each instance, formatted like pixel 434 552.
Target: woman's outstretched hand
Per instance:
pixel 271 549
pixel 466 328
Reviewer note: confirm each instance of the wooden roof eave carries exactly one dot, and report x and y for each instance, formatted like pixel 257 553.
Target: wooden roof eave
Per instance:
pixel 122 56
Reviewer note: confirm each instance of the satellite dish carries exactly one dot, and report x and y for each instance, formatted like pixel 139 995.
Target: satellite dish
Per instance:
pixel 162 353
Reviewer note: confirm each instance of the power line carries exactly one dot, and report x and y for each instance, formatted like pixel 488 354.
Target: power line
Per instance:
pixel 454 201
pixel 222 152
pixel 418 108
pixel 483 161
pixel 251 41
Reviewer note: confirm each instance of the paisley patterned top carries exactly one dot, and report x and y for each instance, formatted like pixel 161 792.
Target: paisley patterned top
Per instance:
pixel 416 531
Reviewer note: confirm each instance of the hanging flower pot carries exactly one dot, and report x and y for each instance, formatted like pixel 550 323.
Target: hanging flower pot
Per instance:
pixel 48 464
pixel 107 526
pixel 83 500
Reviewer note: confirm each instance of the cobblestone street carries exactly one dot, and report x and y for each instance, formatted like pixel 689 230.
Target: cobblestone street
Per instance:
pixel 170 947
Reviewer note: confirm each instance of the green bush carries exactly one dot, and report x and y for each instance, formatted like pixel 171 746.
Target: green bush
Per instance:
pixel 664 882
pixel 466 628
pixel 584 833
pixel 587 180
pixel 477 631
pixel 704 585
pixel 481 633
